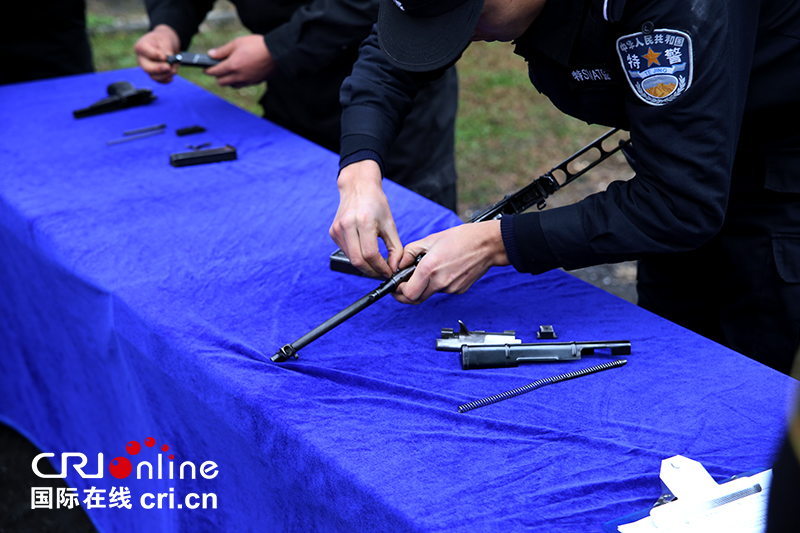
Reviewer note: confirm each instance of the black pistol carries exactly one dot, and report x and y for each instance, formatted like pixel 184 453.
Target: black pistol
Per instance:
pixel 510 355
pixel 121 95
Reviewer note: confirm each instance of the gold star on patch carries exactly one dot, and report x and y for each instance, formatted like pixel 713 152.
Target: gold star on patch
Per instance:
pixel 651 57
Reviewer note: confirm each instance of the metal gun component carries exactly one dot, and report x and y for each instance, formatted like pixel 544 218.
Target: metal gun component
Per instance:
pixel 144 130
pixel 134 137
pixel 388 286
pixel 510 355
pixel 201 157
pixel 546 332
pixel 540 383
pixel 452 341
pixel 537 192
pixel 533 194
pixel 121 95
pixel 191 59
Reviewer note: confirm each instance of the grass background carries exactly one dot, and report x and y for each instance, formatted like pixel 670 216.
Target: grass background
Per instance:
pixel 507 134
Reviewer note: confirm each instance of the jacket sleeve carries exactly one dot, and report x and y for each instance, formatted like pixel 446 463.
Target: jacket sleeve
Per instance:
pixel 685 152
pixel 375 99
pixel 183 16
pixel 320 32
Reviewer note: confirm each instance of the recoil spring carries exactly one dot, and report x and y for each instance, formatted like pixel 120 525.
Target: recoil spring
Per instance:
pixel 538 384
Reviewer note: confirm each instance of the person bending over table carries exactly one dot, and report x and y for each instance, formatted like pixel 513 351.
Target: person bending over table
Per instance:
pixel 305 49
pixel 713 211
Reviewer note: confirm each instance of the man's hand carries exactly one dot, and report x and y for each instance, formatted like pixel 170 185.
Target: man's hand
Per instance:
pixel 454 260
pixel 245 61
pixel 363 217
pixel 152 50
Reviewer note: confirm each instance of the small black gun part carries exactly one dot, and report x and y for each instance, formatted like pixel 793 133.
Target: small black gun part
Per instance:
pixel 190 59
pixel 546 332
pixel 180 132
pixel 144 130
pixel 510 355
pixel 121 95
pixel 387 287
pixel 200 157
pixel 540 383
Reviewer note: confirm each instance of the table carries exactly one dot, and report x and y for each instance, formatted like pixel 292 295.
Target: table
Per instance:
pixel 140 301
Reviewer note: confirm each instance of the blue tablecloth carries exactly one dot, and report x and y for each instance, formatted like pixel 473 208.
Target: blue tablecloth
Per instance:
pixel 140 301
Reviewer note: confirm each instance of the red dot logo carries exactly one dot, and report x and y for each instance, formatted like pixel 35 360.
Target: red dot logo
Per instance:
pixel 120 467
pixel 171 457
pixel 164 448
pixel 149 442
pixel 133 447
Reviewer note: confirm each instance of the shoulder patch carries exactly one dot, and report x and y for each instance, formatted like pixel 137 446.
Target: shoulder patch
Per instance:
pixel 658 65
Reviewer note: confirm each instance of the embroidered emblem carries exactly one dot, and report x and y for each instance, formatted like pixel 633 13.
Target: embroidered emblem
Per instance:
pixel 399 4
pixel 658 66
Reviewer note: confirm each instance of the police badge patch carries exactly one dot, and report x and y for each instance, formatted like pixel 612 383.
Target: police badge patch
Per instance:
pixel 658 65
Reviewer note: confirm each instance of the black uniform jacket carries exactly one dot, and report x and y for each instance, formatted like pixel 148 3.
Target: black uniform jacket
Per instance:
pixel 681 75
pixel 314 43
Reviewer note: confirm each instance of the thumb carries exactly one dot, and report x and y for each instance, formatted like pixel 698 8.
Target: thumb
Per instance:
pixel 221 52
pixel 410 253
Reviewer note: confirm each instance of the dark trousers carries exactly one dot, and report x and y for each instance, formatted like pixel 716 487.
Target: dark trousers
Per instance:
pixel 742 288
pixel 421 159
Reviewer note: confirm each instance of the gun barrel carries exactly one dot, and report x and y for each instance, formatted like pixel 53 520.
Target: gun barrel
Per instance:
pixel 387 287
pixel 511 355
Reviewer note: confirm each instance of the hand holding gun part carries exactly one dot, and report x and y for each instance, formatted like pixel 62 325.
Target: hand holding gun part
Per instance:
pixel 190 59
pixel 121 95
pixel 452 341
pixel 533 194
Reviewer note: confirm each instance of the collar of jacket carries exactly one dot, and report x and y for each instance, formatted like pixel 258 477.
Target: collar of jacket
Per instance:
pixel 555 30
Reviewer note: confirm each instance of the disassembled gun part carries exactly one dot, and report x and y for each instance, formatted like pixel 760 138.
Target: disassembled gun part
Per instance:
pixel 387 287
pixel 510 355
pixel 540 383
pixel 452 341
pixel 546 332
pixel 200 157
pixel 190 59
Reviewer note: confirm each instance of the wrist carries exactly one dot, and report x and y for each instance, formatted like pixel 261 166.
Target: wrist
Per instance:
pixel 494 243
pixel 364 173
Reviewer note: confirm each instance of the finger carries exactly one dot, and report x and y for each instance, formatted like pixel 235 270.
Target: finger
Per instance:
pixel 411 251
pixel 393 245
pixel 351 246
pixel 160 72
pixel 405 294
pixel 372 254
pixel 149 49
pixel 221 52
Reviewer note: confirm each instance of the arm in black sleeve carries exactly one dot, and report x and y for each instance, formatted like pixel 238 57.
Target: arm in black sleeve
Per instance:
pixel 318 33
pixel 375 99
pixel 685 152
pixel 183 16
